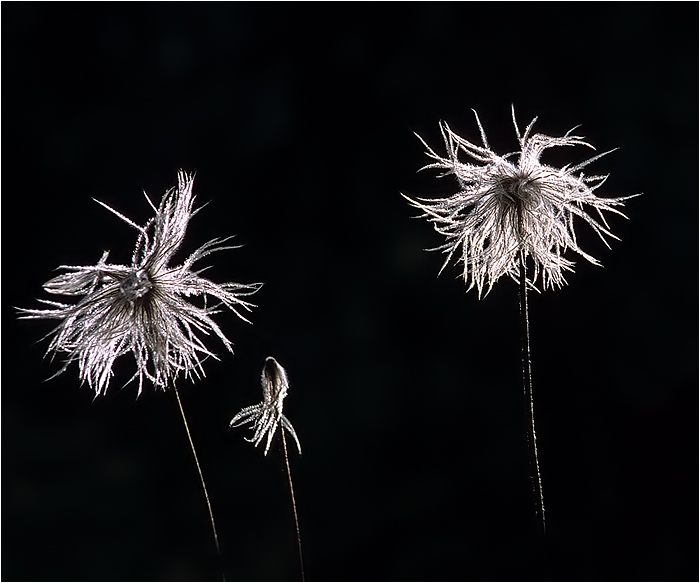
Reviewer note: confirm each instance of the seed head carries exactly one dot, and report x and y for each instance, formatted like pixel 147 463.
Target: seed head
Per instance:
pixel 511 203
pixel 141 308
pixel 267 416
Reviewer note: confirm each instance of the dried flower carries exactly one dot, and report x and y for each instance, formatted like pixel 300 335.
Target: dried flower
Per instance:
pixel 141 308
pixel 506 206
pixel 266 416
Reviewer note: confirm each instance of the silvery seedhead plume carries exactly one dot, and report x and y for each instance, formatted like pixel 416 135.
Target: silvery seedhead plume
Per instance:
pixel 142 308
pixel 267 416
pixel 514 202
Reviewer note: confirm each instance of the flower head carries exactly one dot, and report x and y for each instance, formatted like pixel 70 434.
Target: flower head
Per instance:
pixel 512 203
pixel 141 308
pixel 266 416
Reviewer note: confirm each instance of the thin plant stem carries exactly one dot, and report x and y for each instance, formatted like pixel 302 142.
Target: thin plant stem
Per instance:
pixel 201 478
pixel 527 390
pixel 294 504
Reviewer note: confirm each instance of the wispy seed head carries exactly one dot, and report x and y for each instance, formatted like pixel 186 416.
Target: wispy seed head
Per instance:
pixel 512 203
pixel 141 308
pixel 267 415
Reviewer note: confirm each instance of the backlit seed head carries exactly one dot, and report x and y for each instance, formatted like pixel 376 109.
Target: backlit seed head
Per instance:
pixel 512 203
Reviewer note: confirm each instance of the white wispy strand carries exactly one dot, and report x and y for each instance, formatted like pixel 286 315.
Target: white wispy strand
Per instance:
pixel 141 308
pixel 514 202
pixel 267 416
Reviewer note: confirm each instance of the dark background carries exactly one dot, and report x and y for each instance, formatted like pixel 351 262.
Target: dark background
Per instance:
pixel 405 390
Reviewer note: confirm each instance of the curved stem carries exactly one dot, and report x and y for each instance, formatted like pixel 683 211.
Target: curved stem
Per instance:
pixel 201 477
pixel 527 390
pixel 294 504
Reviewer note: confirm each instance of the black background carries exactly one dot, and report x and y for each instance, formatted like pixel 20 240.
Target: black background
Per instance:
pixel 405 390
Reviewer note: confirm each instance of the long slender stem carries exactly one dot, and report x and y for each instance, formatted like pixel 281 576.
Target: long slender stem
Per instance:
pixel 294 504
pixel 527 390
pixel 201 477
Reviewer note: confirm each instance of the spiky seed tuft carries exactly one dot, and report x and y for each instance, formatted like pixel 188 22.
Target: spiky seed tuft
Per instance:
pixel 141 308
pixel 267 416
pixel 506 206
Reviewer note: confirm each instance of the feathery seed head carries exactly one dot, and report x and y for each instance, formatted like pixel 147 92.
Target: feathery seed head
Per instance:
pixel 267 416
pixel 140 308
pixel 511 203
